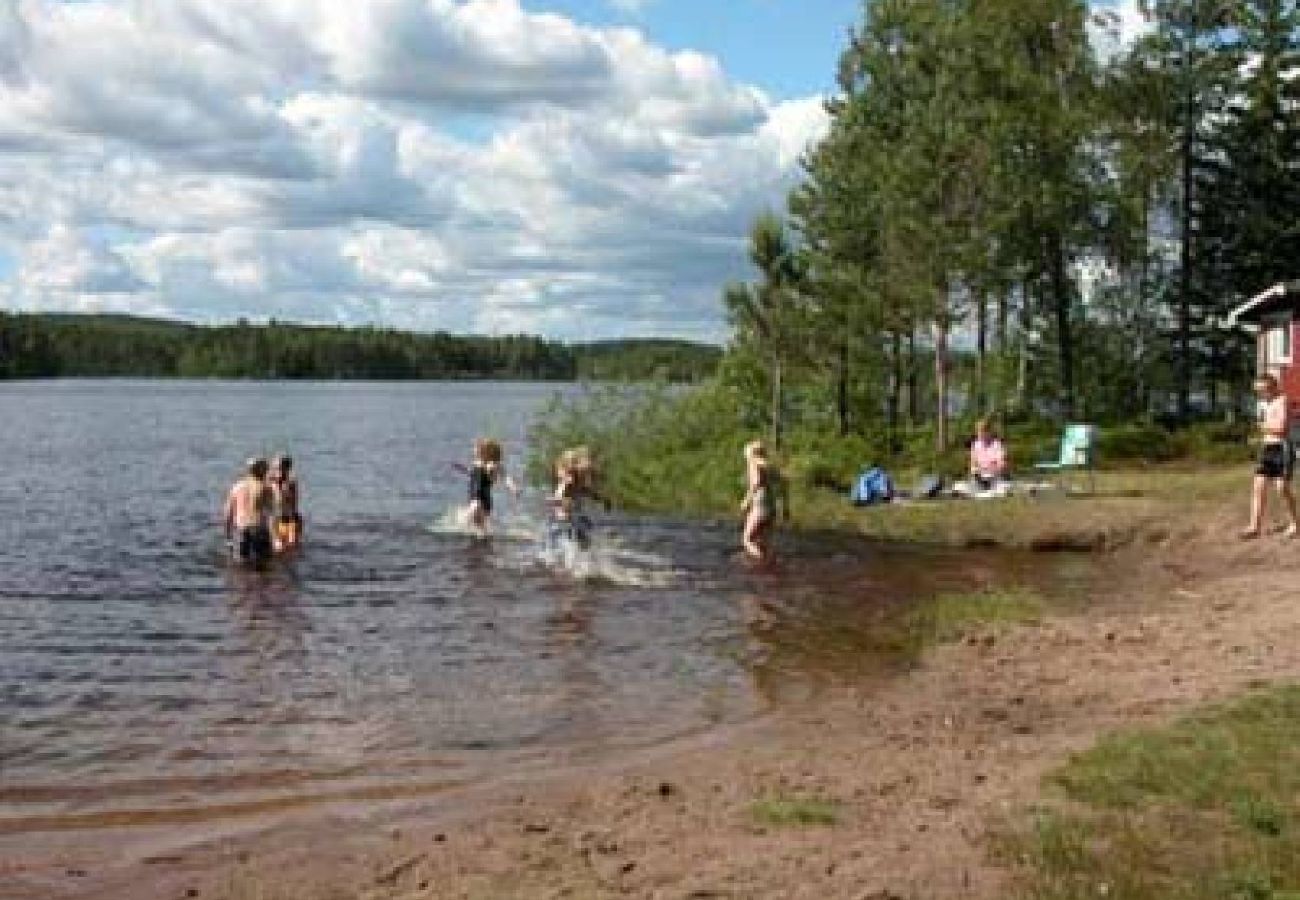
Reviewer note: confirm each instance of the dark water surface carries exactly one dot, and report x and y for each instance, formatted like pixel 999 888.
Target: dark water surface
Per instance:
pixel 142 678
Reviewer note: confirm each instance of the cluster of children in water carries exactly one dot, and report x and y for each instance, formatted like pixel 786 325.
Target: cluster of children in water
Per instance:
pixel 263 514
pixel 262 511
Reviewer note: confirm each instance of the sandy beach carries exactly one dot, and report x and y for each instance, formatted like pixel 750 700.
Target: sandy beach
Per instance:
pixel 920 775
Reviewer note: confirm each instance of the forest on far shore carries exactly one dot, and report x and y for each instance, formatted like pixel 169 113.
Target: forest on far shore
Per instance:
pixel 47 345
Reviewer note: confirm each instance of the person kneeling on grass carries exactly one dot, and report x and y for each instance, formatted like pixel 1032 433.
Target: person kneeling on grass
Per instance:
pixel 1276 458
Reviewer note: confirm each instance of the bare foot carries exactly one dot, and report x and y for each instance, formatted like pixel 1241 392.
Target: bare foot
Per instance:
pixel 1249 534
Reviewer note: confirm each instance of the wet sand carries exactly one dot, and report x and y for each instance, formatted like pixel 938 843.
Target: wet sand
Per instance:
pixel 923 770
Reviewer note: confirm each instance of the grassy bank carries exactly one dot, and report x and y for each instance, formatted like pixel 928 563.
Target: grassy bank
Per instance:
pixel 679 452
pixel 1206 809
pixel 1132 506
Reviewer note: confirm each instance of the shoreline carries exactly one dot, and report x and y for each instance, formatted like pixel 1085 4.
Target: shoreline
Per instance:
pixel 919 774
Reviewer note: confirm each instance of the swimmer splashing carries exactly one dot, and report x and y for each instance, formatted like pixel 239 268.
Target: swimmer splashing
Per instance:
pixel 484 472
pixel 575 481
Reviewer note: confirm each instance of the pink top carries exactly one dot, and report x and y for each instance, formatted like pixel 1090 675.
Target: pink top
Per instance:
pixel 988 457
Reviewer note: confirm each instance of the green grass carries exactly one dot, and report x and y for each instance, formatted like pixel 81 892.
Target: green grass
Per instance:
pixel 1205 809
pixel 784 812
pixel 1128 506
pixel 949 617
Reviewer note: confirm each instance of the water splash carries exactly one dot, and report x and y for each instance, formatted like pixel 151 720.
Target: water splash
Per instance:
pixel 605 560
pixel 455 521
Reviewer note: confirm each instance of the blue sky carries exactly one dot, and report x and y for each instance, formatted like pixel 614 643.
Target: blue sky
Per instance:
pixel 573 168
pixel 787 47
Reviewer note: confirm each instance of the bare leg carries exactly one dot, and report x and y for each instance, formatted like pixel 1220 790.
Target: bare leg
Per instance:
pixel 1258 497
pixel 752 537
pixel 1288 500
pixel 477 517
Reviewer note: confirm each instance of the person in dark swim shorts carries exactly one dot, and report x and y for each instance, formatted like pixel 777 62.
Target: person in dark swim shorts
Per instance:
pixel 247 515
pixel 1276 463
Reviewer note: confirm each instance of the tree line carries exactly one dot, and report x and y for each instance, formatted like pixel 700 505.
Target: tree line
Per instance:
pixel 52 345
pixel 1012 214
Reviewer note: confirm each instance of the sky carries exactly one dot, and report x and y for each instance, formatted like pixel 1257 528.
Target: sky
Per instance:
pixel 578 169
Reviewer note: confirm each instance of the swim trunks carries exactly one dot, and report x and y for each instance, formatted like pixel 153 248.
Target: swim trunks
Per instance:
pixel 252 546
pixel 480 488
pixel 1276 460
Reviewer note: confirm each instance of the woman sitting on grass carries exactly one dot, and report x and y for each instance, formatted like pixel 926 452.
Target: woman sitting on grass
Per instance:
pixel 988 459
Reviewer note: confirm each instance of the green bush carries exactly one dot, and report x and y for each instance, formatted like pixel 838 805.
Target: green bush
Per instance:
pixel 674 449
pixel 1136 443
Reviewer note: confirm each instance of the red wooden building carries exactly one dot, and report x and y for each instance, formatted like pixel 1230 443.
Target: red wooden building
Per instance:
pixel 1274 316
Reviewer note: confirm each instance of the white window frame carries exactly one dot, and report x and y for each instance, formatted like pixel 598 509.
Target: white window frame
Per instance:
pixel 1278 335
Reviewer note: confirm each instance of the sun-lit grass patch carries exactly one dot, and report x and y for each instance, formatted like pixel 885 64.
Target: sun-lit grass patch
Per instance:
pixel 948 617
pixel 1206 809
pixel 790 811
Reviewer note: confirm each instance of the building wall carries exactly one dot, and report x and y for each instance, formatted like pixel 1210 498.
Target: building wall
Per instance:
pixel 1289 377
pixel 1288 373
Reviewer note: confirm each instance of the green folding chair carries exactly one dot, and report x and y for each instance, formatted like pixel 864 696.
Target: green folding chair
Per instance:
pixel 1078 454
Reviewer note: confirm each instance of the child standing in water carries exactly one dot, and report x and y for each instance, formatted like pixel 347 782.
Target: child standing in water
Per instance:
pixel 575 477
pixel 247 515
pixel 485 471
pixel 285 495
pixel 763 484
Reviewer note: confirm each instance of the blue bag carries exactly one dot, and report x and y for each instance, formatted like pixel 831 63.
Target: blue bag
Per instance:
pixel 873 486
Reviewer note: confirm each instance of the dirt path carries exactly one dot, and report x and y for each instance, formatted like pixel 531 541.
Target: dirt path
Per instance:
pixel 923 770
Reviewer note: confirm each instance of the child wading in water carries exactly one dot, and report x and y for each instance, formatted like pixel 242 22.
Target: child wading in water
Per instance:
pixel 575 480
pixel 1276 458
pixel 285 493
pixel 485 471
pixel 247 515
pixel 763 484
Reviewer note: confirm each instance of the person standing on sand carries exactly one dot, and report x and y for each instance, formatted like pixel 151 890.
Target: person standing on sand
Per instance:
pixel 1276 458
pixel 763 484
pixel 247 515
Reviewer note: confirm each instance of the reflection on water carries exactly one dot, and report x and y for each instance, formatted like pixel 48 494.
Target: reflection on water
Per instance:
pixel 142 678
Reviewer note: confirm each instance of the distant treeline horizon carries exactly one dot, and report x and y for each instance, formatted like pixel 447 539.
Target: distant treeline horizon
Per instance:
pixel 51 345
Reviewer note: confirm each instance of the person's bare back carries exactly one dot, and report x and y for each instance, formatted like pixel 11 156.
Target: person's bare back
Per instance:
pixel 247 515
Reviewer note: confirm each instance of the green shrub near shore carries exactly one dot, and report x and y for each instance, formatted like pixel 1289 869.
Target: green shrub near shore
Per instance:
pixel 678 450
pixel 1205 809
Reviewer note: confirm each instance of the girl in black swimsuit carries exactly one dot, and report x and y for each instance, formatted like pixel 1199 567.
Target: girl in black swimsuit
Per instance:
pixel 484 472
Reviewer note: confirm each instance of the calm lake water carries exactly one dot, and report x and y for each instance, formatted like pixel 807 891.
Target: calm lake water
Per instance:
pixel 142 678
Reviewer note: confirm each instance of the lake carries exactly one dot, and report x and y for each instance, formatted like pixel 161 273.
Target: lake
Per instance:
pixel 145 679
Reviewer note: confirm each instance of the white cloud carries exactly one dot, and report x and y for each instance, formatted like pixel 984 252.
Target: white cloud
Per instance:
pixel 1116 24
pixel 419 163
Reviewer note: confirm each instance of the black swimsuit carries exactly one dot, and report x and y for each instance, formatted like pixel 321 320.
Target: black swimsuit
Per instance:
pixel 480 487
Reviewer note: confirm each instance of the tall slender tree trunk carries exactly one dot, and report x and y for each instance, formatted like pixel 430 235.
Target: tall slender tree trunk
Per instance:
pixel 941 381
pixel 1186 150
pixel 893 402
pixel 913 383
pixel 1061 302
pixel 777 402
pixel 1022 362
pixel 1002 328
pixel 842 392
pixel 981 354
